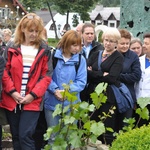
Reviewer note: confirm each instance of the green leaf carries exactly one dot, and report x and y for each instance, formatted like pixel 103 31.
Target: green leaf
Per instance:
pixel 59 144
pixel 66 109
pixel 110 129
pixel 75 139
pixel 143 101
pixel 84 105
pixel 93 138
pixel 98 100
pixel 100 88
pixel 58 110
pixel 97 128
pixel 48 133
pixel 87 125
pixel 91 108
pixel 70 97
pixel 69 119
pixel 143 113
pixel 47 147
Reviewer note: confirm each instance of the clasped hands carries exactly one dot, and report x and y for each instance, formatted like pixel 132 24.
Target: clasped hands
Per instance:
pixel 22 100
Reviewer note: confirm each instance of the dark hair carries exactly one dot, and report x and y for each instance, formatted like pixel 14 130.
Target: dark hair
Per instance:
pixel 125 34
pixel 87 25
pixel 147 35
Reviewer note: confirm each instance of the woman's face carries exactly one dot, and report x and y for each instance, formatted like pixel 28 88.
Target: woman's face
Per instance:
pixel 137 48
pixel 123 45
pixel 30 35
pixel 74 49
pixel 109 43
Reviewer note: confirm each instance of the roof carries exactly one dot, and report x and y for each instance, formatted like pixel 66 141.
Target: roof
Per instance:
pixel 105 12
pixel 45 15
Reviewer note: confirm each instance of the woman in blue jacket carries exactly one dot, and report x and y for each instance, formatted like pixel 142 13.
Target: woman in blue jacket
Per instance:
pixel 68 56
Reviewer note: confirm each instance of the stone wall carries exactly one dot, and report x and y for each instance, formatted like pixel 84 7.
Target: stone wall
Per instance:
pixel 134 16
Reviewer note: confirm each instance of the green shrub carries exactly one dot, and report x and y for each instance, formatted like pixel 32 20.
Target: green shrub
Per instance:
pixel 136 139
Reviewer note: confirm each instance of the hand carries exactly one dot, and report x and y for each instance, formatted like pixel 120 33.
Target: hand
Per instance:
pixel 27 99
pixel 105 73
pixel 89 68
pixel 17 97
pixel 58 95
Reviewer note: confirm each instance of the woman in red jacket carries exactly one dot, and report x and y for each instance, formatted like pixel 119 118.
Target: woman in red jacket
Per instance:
pixel 26 77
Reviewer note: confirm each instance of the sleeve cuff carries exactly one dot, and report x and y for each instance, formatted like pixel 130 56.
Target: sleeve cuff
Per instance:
pixel 33 94
pixel 12 91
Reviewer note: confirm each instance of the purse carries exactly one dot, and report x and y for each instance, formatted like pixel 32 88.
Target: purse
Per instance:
pixel 123 97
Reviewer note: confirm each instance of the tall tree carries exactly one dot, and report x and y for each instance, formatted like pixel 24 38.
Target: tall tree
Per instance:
pixel 32 4
pixel 78 6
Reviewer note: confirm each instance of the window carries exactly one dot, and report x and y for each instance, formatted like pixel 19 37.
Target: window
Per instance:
pixel 51 27
pixel 4 12
pixel 112 23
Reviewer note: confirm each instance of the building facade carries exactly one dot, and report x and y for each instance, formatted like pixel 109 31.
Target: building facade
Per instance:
pixel 11 11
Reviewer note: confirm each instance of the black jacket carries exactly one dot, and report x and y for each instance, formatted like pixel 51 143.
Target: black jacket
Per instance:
pixel 113 65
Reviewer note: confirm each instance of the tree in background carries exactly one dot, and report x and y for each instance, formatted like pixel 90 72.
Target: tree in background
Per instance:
pixel 110 3
pixel 75 20
pixel 32 4
pixel 78 6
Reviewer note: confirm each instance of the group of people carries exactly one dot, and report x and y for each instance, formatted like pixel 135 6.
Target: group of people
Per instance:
pixel 31 83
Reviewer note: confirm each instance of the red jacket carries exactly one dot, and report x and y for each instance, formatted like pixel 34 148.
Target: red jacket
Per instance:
pixel 39 77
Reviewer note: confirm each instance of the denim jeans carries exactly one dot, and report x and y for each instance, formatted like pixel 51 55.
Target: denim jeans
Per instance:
pixel 51 121
pixel 22 126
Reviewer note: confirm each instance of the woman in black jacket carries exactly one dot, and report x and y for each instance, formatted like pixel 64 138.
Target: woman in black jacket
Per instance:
pixel 107 70
pixel 131 72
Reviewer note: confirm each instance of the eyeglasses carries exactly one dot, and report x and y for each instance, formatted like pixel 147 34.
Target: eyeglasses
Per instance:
pixel 109 41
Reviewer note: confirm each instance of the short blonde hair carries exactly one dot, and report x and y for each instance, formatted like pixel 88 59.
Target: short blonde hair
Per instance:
pixel 7 31
pixel 112 32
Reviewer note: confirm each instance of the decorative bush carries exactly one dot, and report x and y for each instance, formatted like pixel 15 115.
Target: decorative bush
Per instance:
pixel 136 139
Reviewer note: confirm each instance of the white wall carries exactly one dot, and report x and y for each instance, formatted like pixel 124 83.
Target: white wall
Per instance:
pixel 60 19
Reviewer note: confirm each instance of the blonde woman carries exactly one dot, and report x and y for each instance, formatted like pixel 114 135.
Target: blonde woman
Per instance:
pixel 26 77
pixel 105 66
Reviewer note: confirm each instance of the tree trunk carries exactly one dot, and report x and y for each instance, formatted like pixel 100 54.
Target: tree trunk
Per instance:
pixel 67 25
pixel 55 29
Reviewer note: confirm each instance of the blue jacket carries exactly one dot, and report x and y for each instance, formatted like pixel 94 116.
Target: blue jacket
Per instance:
pixel 63 73
pixel 123 97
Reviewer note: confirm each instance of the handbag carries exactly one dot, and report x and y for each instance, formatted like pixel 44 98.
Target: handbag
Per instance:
pixel 123 97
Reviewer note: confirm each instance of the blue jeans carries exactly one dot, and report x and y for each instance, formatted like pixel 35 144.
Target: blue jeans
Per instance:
pixel 51 121
pixel 22 126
